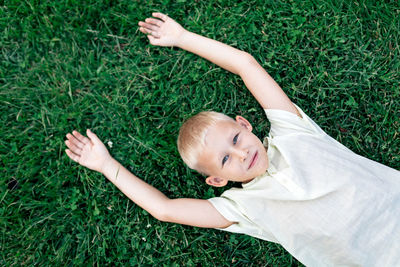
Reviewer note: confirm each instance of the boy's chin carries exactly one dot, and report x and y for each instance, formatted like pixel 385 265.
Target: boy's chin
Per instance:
pixel 247 179
pixel 255 175
pixel 250 176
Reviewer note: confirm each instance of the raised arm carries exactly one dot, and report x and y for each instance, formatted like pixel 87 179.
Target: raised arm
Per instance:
pixel 91 153
pixel 164 31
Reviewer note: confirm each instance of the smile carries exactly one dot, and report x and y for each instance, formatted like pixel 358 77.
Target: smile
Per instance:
pixel 253 160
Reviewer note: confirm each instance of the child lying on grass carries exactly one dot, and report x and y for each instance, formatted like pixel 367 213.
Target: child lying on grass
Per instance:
pixel 302 189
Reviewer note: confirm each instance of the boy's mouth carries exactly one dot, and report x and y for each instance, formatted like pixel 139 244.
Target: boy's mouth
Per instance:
pixel 253 160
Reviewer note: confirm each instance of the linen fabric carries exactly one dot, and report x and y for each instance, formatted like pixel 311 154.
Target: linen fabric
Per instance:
pixel 326 205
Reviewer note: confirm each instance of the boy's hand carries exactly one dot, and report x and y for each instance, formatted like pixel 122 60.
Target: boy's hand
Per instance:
pixel 89 152
pixel 163 31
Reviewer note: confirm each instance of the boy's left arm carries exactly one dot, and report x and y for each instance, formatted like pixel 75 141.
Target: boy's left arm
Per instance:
pixel 164 31
pixel 92 153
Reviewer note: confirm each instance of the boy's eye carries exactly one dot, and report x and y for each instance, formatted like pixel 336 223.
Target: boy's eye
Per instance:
pixel 225 159
pixel 235 139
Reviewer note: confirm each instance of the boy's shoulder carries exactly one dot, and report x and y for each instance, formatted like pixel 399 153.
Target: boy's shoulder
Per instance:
pixel 284 122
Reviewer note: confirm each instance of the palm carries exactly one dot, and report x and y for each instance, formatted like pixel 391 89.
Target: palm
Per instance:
pixel 163 31
pixel 93 156
pixel 89 152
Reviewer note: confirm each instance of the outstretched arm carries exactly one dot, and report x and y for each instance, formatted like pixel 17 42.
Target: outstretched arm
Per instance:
pixel 91 153
pixel 164 31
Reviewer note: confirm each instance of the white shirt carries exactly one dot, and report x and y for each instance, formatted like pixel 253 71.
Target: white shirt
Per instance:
pixel 326 205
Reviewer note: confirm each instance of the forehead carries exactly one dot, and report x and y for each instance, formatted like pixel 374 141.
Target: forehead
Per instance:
pixel 219 132
pixel 216 141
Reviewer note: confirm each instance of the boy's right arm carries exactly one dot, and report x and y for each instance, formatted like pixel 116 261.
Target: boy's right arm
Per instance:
pixel 91 153
pixel 164 31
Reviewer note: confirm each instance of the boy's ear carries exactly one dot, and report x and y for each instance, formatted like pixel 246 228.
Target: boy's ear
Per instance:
pixel 216 181
pixel 243 122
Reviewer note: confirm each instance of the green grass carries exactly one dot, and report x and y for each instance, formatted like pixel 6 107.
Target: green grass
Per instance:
pixel 83 64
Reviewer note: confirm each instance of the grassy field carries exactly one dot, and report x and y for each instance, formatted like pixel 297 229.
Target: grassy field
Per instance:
pixel 83 64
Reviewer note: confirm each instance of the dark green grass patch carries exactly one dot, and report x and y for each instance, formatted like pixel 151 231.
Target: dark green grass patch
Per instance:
pixel 83 64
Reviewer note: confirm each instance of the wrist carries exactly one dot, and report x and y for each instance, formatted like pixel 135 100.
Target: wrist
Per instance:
pixel 109 167
pixel 180 42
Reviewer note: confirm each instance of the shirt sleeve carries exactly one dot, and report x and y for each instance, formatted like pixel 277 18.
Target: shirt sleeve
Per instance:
pixel 284 122
pixel 241 224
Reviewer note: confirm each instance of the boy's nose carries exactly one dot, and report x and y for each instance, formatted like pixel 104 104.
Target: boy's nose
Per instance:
pixel 241 154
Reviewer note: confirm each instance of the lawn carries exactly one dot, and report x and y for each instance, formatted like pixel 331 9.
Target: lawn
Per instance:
pixel 73 64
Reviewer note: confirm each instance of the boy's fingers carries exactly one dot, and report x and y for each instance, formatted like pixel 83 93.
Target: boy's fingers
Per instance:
pixel 73 147
pixel 148 26
pixel 155 34
pixel 80 137
pixel 72 156
pixel 154 21
pixel 93 137
pixel 152 40
pixel 160 16
pixel 75 141
pixel 145 31
pixel 149 32
pixel 142 30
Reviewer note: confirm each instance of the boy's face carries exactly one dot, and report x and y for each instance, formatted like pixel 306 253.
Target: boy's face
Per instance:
pixel 232 153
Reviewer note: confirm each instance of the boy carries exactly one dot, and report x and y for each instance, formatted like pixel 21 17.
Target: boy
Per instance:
pixel 326 205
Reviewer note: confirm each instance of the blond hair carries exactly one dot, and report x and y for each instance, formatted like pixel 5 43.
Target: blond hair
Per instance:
pixel 191 139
